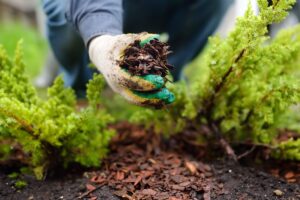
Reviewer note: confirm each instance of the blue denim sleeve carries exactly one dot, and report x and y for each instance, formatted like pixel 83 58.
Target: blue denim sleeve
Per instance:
pixel 95 17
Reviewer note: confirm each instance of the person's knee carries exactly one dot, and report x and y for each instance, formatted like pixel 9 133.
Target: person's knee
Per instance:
pixel 55 11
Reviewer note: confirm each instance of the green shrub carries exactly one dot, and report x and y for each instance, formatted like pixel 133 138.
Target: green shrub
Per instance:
pixel 246 85
pixel 51 132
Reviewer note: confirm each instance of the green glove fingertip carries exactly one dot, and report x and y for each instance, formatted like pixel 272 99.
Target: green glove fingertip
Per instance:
pixel 156 80
pixel 170 99
pixel 146 41
pixel 165 95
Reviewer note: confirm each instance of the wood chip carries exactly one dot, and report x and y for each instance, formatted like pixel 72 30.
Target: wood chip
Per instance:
pixel 191 167
pixel 149 192
pixel 120 176
pixel 90 187
pixel 289 175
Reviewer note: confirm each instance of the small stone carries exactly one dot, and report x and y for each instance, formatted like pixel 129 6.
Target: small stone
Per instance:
pixel 278 192
pixel 31 197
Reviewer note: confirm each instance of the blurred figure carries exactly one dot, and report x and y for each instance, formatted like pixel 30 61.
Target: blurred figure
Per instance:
pixel 80 30
pixel 83 29
pixel 50 69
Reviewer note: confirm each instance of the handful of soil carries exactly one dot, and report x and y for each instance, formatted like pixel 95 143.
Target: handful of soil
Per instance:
pixel 148 59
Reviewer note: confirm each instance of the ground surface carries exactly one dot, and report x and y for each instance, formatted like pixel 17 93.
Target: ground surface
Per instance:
pixel 144 166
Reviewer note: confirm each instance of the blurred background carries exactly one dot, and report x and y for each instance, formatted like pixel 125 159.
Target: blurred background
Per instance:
pixel 24 19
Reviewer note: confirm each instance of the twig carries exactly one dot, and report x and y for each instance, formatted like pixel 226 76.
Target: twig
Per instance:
pixel 224 144
pixel 251 144
pixel 246 153
pixel 27 127
pixel 89 192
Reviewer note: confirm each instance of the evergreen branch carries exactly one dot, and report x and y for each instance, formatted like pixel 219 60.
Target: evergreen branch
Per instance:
pixel 213 126
pixel 25 125
pixel 263 99
pixel 217 88
pixel 220 85
pixel 230 70
pixel 275 4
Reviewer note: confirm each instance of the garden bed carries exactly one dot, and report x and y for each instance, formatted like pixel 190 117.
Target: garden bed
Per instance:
pixel 241 100
pixel 142 165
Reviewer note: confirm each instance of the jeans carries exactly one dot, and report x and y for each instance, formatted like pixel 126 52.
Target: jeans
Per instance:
pixel 188 23
pixel 67 46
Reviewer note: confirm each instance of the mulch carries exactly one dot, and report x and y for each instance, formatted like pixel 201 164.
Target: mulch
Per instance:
pixel 141 170
pixel 145 166
pixel 148 59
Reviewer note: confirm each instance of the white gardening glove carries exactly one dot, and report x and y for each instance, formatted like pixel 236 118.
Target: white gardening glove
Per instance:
pixel 106 51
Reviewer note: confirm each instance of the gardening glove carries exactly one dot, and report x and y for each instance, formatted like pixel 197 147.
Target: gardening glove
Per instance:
pixel 106 51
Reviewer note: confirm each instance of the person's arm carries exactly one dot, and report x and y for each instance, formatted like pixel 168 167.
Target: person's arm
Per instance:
pixel 95 17
pixel 99 23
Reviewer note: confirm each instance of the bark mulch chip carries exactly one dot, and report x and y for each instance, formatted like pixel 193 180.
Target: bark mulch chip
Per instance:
pixel 148 59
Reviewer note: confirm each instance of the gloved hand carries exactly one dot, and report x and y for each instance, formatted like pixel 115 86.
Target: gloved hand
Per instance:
pixel 106 51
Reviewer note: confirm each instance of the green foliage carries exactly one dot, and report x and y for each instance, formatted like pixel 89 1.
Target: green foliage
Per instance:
pixel 20 184
pixel 51 132
pixel 288 149
pixel 290 119
pixel 13 175
pixel 171 120
pixel 5 150
pixel 246 85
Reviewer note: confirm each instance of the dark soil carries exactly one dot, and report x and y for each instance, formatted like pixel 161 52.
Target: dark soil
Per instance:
pixel 145 166
pixel 148 59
